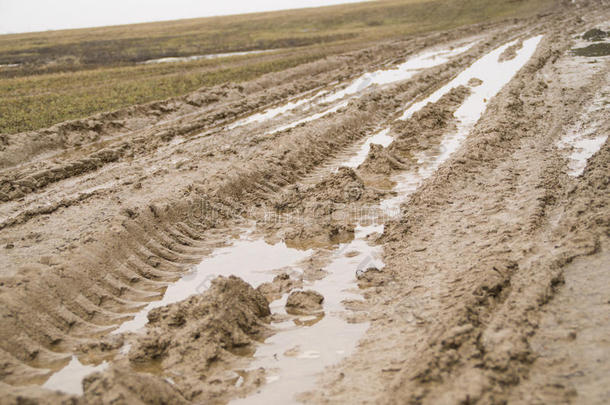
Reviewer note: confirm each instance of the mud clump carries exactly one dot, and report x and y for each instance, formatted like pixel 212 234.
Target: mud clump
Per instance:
pixel 475 82
pixel 281 284
pixel 371 277
pixel 381 161
pixel 304 303
pixel 510 52
pixel 188 338
pixel 342 187
pixel 14 395
pixel 124 386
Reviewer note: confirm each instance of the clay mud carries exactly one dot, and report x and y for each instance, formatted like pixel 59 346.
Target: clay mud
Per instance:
pixel 420 221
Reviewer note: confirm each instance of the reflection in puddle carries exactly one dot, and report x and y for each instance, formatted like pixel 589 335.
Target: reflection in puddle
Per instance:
pixel 69 379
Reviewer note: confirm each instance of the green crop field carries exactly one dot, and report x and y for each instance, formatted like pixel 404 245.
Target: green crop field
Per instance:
pixel 75 73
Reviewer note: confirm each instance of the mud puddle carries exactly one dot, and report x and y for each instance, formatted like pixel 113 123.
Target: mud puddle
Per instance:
pixel 69 378
pixel 201 57
pixel 251 259
pixel 486 77
pixel 402 72
pixel 494 75
pixel 304 345
pixel 586 137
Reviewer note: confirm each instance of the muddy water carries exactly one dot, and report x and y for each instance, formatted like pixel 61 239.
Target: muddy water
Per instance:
pixel 304 346
pixel 200 57
pixel 586 137
pixel 249 258
pixel 252 259
pixel 402 72
pixel 494 75
pixel 69 379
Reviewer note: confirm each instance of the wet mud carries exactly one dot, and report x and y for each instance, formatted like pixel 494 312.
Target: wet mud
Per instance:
pixel 379 227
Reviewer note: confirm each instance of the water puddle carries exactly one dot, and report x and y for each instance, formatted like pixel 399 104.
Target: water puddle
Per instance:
pixel 69 379
pixel 594 43
pixel 308 119
pixel 491 71
pixel 247 258
pixel 274 112
pixel 201 57
pixel 402 72
pixel 494 75
pixel 586 138
pixel 303 346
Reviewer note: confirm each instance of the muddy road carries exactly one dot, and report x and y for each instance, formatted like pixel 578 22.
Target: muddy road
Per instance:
pixel 421 221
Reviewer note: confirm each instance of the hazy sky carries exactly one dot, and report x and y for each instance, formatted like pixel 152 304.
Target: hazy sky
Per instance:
pixel 41 15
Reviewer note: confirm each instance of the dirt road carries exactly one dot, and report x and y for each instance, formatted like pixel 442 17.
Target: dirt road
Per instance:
pixel 461 254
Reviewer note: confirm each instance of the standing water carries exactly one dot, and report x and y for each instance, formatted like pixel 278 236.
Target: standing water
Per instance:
pixel 261 259
pixel 494 75
pixel 402 72
pixel 585 138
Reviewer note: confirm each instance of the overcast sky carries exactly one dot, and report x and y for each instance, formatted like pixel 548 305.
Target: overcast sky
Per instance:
pixel 41 15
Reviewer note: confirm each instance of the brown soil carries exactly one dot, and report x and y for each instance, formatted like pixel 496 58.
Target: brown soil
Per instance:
pixel 488 270
pixel 304 302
